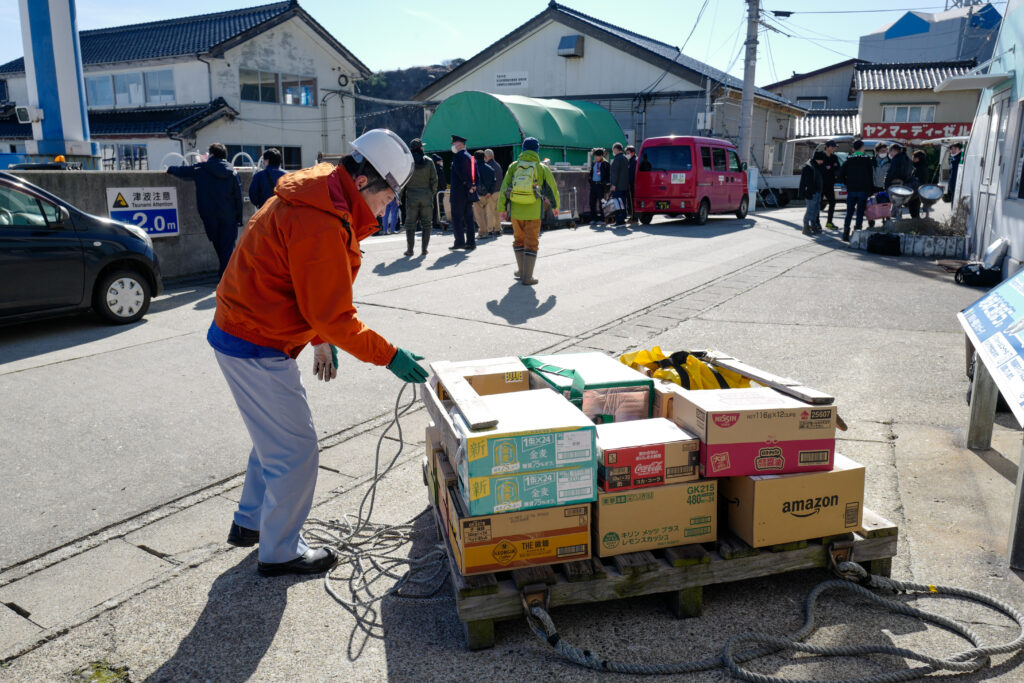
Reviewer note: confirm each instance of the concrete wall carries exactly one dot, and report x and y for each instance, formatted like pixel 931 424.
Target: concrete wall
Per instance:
pixel 835 86
pixel 189 253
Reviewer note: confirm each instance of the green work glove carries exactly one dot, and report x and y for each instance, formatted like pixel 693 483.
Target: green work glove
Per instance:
pixel 405 367
pixel 334 356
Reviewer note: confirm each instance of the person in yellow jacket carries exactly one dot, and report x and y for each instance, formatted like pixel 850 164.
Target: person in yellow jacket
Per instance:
pixel 522 197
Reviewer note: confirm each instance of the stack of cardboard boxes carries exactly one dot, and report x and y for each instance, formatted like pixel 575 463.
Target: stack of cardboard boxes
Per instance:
pixel 557 458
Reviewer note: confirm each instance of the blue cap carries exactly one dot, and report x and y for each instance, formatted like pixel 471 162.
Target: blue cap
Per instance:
pixel 531 145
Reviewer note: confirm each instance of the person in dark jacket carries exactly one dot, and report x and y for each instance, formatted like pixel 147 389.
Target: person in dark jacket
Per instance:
pixel 418 198
pixel 463 195
pixel 442 185
pixel 631 155
pixel 261 188
pixel 218 198
pixel 499 175
pixel 955 154
pixel 810 189
pixel 829 169
pixel 484 189
pixel 599 174
pixel 921 177
pixel 619 181
pixel 901 172
pixel 858 175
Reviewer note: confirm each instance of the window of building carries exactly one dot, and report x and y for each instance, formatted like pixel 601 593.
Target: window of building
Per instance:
pixel 128 90
pixel 292 160
pixel 3 90
pixel 718 157
pixel 160 86
pixel 99 91
pixel 908 113
pixel 124 157
pixel 1017 187
pixel 298 90
pixel 812 102
pixel 705 158
pixel 258 86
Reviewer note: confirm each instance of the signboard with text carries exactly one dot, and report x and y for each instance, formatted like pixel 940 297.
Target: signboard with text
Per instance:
pixel 506 80
pixel 154 209
pixel 914 131
pixel 995 325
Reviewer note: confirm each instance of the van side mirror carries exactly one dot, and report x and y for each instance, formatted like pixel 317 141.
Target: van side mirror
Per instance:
pixel 744 165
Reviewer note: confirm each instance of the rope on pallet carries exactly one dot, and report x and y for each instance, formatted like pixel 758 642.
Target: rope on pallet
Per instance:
pixel 855 580
pixel 372 562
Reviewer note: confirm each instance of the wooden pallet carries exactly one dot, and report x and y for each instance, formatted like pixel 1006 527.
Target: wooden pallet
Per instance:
pixel 679 574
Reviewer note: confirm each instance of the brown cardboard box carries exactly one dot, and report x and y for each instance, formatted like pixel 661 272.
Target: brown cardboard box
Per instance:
pixel 664 391
pixel 492 543
pixel 756 431
pixel 489 376
pixel 656 517
pixel 782 508
pixel 433 444
pixel 645 453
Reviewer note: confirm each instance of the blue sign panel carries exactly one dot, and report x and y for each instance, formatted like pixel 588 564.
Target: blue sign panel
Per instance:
pixel 157 222
pixel 154 209
pixel 995 325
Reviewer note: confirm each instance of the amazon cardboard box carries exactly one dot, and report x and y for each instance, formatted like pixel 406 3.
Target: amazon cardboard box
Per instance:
pixel 645 453
pixel 756 431
pixel 781 508
pixel 489 376
pixel 656 517
pixel 491 543
pixel 605 389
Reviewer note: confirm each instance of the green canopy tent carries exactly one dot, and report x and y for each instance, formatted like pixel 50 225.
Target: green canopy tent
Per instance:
pixel 567 130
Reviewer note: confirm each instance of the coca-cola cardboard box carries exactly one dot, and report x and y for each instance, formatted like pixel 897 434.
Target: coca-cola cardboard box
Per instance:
pixel 768 510
pixel 491 543
pixel 756 431
pixel 655 517
pixel 645 453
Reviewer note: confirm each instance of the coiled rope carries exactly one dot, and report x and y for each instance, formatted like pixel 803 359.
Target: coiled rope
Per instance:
pixel 734 654
pixel 371 564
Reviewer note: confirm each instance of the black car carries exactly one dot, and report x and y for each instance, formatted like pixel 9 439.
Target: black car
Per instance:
pixel 55 259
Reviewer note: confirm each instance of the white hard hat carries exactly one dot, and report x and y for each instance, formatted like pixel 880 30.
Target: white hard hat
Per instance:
pixel 388 154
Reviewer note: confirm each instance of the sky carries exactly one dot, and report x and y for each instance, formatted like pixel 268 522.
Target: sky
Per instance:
pixel 392 34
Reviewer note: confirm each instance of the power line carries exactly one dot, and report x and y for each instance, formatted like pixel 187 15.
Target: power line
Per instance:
pixel 664 73
pixel 794 34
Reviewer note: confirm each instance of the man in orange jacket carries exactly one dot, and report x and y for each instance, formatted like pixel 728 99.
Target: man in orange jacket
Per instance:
pixel 288 284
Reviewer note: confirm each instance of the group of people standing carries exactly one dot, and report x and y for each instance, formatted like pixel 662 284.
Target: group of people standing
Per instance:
pixel 864 174
pixel 615 180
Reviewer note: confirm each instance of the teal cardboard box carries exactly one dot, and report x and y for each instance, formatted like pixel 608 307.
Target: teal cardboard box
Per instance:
pixel 527 490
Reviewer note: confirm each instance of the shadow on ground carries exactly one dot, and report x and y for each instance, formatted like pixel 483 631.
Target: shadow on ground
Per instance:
pixel 520 304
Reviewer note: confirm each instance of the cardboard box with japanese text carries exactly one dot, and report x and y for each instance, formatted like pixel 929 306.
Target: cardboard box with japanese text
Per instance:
pixel 655 517
pixel 605 389
pixel 756 431
pixel 768 510
pixel 645 453
pixel 490 543
pixel 490 376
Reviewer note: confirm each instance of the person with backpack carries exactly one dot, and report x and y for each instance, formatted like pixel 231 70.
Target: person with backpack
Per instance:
pixel 261 187
pixel 857 173
pixel 521 196
pixel 810 189
pixel 600 170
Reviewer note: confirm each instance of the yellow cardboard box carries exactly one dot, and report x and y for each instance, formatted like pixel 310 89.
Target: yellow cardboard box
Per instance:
pixel 656 517
pixel 783 508
pixel 491 543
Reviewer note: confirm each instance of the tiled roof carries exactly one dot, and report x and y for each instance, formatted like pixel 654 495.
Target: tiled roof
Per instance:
pixel 828 123
pixel 132 122
pixel 185 36
pixel 909 76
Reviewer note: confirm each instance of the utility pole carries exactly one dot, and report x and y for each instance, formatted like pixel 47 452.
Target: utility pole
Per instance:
pixel 749 65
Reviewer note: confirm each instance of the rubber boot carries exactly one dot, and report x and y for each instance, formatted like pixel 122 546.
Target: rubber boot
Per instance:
pixel 519 261
pixel 808 230
pixel 529 261
pixel 425 240
pixel 410 240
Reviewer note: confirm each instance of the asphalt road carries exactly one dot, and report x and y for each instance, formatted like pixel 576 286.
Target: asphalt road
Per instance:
pixel 104 423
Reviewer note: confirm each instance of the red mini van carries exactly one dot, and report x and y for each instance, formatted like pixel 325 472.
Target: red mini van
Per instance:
pixel 692 176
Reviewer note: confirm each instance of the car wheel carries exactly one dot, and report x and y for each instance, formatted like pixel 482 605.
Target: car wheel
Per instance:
pixel 121 297
pixel 646 218
pixel 701 217
pixel 742 211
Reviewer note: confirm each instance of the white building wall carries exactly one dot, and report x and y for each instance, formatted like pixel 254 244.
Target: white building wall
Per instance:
pixel 603 69
pixel 835 86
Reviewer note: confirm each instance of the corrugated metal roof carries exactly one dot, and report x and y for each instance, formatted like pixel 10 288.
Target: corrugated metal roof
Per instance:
pixel 167 38
pixel 909 76
pixel 131 122
pixel 828 122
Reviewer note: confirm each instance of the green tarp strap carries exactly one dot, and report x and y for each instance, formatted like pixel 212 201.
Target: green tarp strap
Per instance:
pixel 575 390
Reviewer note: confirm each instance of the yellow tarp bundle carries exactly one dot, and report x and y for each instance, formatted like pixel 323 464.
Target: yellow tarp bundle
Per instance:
pixel 698 374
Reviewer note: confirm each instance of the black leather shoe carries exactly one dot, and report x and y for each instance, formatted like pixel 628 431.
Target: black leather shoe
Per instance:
pixel 456 247
pixel 315 560
pixel 241 537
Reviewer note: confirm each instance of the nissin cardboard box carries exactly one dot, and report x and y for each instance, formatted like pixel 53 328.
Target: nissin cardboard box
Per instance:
pixel 645 453
pixel 756 431
pixel 773 509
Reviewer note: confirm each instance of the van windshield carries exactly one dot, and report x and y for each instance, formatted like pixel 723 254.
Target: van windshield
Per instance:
pixel 667 158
